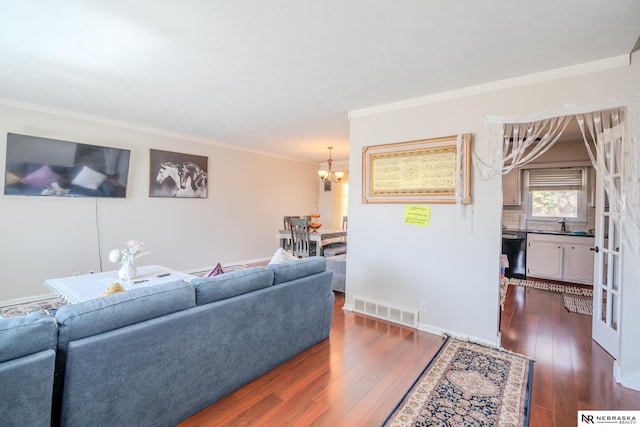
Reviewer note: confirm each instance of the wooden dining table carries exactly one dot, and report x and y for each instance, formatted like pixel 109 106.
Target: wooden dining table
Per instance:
pixel 321 238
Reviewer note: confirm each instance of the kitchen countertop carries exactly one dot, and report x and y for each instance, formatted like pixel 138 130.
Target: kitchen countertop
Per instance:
pixel 557 233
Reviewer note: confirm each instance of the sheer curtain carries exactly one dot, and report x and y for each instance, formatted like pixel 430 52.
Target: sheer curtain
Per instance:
pixel 599 123
pixel 515 141
pixel 624 199
pixel 514 144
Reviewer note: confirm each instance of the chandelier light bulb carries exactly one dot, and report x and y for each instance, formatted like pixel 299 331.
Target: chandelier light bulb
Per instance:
pixel 326 175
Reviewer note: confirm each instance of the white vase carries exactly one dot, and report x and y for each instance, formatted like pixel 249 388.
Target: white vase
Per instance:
pixel 127 271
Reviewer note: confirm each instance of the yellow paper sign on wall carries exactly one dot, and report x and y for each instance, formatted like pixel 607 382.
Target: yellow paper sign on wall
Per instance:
pixel 417 214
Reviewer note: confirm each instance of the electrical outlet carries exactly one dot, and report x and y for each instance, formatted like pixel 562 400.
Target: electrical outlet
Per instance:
pixel 423 305
pixel 91 271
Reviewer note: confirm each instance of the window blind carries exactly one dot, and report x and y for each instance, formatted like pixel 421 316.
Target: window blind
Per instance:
pixel 555 179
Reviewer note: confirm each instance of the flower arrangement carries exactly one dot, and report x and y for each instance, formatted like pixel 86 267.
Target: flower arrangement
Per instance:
pixel 132 251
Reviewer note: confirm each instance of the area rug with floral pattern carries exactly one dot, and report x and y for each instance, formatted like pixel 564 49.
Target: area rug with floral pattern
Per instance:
pixel 468 384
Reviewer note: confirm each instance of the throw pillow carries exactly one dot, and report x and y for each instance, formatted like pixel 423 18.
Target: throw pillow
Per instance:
pixel 217 270
pixel 40 178
pixel 11 178
pixel 88 178
pixel 113 288
pixel 281 256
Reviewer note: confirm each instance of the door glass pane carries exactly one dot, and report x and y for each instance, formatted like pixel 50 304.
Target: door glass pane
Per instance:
pixel 603 312
pixel 615 267
pixel 606 201
pixel 605 269
pixel 614 311
pixel 614 237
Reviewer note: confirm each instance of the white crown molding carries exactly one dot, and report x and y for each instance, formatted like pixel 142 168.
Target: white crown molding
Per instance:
pixel 135 127
pixel 544 76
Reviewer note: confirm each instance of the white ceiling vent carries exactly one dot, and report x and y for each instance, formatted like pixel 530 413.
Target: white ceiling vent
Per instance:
pixel 384 312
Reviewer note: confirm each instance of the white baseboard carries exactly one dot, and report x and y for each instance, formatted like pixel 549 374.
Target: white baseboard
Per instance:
pixel 632 382
pixel 250 261
pixel 438 331
pixel 26 299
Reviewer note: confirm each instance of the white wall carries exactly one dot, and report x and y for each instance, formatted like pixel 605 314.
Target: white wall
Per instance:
pixel 248 194
pixel 453 263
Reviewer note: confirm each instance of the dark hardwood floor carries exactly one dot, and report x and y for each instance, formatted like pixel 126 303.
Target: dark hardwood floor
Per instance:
pixel 356 377
pixel 571 372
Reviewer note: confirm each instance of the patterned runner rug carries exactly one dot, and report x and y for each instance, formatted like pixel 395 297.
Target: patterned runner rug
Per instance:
pixel 28 307
pixel 554 287
pixel 578 305
pixel 468 384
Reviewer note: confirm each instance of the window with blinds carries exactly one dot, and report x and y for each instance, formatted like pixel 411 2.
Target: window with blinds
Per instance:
pixel 556 193
pixel 555 179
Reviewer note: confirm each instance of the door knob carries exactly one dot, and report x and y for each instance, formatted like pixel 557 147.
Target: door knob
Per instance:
pixel 596 249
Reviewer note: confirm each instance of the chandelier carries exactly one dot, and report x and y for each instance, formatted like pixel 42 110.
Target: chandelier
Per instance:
pixel 330 175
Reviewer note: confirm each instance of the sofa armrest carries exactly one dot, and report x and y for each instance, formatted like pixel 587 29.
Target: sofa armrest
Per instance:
pixel 24 335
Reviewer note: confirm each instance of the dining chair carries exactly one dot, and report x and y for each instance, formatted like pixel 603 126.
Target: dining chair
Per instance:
pixel 288 243
pixel 287 221
pixel 302 246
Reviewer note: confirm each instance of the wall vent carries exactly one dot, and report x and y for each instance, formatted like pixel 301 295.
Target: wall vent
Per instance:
pixel 384 312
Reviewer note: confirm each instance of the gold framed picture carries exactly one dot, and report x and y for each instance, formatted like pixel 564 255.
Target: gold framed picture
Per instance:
pixel 436 170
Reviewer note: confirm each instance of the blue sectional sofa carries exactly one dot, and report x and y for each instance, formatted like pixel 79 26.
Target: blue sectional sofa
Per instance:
pixel 154 356
pixel 27 356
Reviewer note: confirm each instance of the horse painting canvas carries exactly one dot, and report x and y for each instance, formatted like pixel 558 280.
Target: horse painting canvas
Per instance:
pixel 177 175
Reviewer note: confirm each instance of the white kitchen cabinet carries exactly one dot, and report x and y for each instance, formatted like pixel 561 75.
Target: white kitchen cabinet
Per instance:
pixel 511 191
pixel 579 260
pixel 544 258
pixel 560 257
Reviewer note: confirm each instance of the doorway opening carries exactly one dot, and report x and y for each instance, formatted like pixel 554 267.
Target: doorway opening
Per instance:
pixel 523 143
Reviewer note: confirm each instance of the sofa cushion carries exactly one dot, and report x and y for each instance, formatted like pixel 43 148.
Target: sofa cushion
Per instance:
pixel 223 286
pixel 295 269
pixel 24 335
pixel 115 311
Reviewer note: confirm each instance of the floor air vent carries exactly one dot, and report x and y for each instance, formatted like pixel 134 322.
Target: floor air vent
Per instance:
pixel 384 312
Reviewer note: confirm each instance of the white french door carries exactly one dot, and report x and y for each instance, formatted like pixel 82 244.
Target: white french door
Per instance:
pixel 607 272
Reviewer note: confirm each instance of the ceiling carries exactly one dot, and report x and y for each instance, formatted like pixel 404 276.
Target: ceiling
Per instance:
pixel 281 76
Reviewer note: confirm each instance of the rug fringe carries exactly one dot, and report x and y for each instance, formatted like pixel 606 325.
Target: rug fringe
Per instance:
pixel 553 287
pixel 487 345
